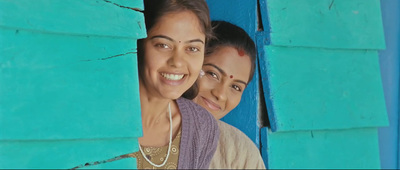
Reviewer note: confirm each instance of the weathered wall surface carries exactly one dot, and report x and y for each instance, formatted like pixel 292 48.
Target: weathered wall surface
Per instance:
pixel 69 83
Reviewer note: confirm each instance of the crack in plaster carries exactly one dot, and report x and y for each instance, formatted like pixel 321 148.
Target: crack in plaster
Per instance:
pixel 99 162
pixel 330 6
pixel 106 58
pixel 135 9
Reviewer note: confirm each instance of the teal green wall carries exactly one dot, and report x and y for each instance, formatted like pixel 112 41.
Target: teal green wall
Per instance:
pixel 69 82
pixel 334 149
pixel 322 83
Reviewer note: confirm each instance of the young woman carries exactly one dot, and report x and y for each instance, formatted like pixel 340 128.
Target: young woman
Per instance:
pixel 228 66
pixel 177 133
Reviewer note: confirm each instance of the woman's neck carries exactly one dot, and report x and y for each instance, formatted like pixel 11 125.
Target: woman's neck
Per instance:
pixel 153 108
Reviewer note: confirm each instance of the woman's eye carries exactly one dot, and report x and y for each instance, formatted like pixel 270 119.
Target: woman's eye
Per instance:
pixel 162 45
pixel 193 49
pixel 237 88
pixel 213 75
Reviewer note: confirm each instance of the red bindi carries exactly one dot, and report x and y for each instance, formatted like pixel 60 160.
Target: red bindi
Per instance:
pixel 231 76
pixel 241 52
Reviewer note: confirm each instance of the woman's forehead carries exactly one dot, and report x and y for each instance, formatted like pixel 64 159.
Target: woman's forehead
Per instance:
pixel 231 62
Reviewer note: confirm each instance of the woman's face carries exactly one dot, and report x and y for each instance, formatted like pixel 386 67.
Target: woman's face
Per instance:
pixel 174 54
pixel 226 76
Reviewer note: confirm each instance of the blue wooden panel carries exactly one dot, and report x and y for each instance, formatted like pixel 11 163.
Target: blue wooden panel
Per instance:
pixel 331 149
pixel 238 12
pixel 63 154
pixel 74 17
pixel 349 24
pixel 243 14
pixel 389 62
pixel 67 87
pixel 312 89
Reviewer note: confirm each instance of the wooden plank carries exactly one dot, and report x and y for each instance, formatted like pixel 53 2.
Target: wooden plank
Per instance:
pixel 67 87
pixel 100 18
pixel 64 154
pixel 314 89
pixel 243 14
pixel 348 24
pixel 331 149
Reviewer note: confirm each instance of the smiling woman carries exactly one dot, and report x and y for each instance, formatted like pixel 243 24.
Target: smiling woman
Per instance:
pixel 229 66
pixel 171 67
pixel 177 133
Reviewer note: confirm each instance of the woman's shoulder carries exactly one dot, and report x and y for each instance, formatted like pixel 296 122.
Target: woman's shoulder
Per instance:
pixel 233 138
pixel 200 134
pixel 235 150
pixel 231 133
pixel 192 109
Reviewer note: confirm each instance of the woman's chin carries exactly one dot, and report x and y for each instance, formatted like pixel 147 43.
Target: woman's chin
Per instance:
pixel 172 95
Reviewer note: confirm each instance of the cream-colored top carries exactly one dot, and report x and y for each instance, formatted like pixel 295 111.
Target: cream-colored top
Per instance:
pixel 235 150
pixel 158 154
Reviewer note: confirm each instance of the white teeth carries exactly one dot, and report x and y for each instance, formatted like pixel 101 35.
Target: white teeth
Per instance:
pixel 172 76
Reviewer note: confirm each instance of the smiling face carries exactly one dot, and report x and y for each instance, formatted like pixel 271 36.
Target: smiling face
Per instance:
pixel 226 76
pixel 173 55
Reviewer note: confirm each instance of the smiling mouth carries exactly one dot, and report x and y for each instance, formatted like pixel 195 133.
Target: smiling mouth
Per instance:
pixel 173 77
pixel 211 105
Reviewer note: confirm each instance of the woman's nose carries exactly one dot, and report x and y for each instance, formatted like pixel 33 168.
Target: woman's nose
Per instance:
pixel 219 92
pixel 176 59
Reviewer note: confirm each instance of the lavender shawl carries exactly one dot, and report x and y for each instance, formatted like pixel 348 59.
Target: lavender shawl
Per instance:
pixel 200 134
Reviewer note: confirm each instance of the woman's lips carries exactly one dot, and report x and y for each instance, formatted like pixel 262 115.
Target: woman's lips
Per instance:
pixel 211 105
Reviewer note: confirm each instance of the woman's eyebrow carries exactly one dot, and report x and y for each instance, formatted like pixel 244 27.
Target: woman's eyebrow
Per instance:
pixel 216 67
pixel 170 39
pixel 223 72
pixel 196 40
pixel 240 81
pixel 162 36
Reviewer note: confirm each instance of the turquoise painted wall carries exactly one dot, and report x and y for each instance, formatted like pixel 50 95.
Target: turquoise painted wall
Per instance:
pixel 322 84
pixel 68 82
